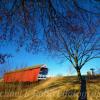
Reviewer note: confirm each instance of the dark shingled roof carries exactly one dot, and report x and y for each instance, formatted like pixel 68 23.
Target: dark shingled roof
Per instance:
pixel 26 68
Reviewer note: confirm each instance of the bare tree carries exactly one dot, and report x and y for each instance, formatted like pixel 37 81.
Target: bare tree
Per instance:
pixel 18 19
pixel 3 58
pixel 70 30
pixel 75 37
pixel 70 70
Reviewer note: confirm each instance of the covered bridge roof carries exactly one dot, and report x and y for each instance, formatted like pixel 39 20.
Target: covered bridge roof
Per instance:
pixel 27 68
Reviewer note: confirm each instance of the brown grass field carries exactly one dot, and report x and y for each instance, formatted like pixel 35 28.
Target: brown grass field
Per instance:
pixel 55 88
pixel 93 89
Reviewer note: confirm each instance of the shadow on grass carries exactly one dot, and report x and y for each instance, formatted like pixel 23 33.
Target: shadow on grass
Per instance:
pixel 83 92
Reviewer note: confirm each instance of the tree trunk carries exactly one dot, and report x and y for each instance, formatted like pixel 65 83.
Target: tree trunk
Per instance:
pixel 79 75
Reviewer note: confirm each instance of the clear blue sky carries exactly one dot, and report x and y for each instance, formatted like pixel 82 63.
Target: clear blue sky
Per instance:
pixel 22 58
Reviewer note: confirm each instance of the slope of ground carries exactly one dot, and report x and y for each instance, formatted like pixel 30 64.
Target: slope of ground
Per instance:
pixel 55 88
pixel 58 88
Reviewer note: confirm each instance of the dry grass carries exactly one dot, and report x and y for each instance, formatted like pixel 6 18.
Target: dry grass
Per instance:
pixel 93 89
pixel 58 88
pixel 53 89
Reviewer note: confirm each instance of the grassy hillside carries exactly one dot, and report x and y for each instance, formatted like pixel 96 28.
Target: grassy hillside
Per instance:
pixel 93 89
pixel 56 88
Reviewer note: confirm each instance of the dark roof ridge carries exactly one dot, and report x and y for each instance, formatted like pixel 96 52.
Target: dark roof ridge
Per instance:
pixel 26 68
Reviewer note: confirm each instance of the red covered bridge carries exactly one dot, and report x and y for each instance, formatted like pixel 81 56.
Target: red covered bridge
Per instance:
pixel 29 74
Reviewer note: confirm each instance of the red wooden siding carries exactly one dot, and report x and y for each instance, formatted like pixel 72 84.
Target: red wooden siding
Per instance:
pixel 29 75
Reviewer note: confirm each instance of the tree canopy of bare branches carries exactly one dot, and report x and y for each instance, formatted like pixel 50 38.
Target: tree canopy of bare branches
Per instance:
pixel 70 30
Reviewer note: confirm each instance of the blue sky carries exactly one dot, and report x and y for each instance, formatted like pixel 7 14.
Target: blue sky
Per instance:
pixel 23 58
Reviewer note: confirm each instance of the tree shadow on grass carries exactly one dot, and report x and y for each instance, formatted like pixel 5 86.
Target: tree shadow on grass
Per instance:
pixel 83 92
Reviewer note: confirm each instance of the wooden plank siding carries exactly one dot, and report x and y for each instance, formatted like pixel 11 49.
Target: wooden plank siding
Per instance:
pixel 28 75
